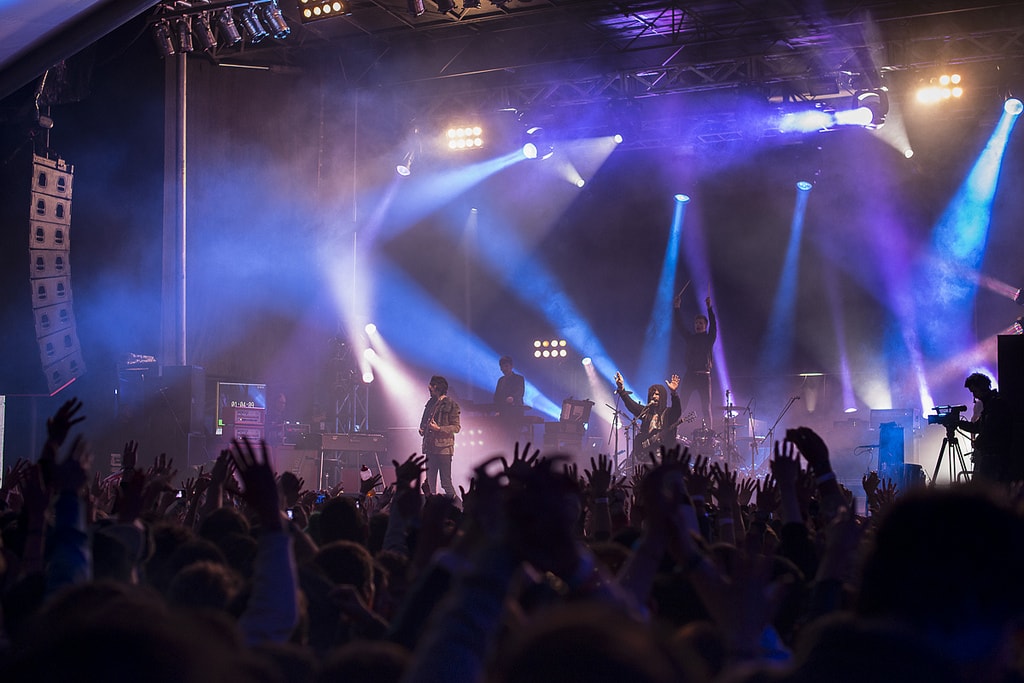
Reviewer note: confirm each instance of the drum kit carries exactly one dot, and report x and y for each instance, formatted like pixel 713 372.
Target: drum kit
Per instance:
pixel 725 446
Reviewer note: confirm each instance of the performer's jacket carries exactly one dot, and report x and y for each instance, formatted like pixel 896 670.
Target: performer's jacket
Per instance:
pixel 446 413
pixel 697 354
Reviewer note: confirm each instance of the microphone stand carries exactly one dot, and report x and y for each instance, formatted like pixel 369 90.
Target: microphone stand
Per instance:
pixel 771 431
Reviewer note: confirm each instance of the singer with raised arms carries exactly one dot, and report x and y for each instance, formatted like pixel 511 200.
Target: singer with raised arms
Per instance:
pixel 657 420
pixel 699 342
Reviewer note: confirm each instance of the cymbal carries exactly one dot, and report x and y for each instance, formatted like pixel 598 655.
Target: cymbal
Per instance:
pixel 734 409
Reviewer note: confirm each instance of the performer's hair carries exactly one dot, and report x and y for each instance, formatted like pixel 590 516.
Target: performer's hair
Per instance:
pixel 661 394
pixel 505 359
pixel 976 379
pixel 440 382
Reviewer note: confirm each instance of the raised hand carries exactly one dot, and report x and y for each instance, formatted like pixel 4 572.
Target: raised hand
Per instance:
pixel 812 447
pixel 619 384
pixel 673 383
pixel 599 477
pixel 408 473
pixel 522 461
pixel 870 482
pixel 259 487
pixel 368 485
pixel 129 456
pixel 785 465
pixel 58 426
pixel 746 490
pixel 698 477
pixel 16 473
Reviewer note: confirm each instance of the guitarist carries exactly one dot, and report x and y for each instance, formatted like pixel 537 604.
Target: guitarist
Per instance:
pixel 658 419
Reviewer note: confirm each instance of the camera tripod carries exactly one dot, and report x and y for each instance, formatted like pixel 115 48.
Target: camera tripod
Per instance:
pixel 956 457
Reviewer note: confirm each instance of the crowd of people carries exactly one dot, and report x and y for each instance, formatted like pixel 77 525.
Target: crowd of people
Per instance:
pixel 539 571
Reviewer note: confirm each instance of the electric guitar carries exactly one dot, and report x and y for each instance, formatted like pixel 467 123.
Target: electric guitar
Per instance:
pixel 655 437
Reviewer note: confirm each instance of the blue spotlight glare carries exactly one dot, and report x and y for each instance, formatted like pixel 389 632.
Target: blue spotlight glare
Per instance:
pixel 804 186
pixel 1013 106
pixel 530 150
pixel 617 138
pixel 370 328
pixel 587 361
pixel 682 198
pixel 861 116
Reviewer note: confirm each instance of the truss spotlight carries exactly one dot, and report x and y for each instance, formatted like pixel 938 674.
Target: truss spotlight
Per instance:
pixel 368 377
pixel 1018 326
pixel 876 102
pixel 536 147
pixel 164 41
pixel 851 409
pixel 251 23
pixel 617 138
pixel 183 28
pixel 682 198
pixel 370 329
pixel 204 34
pixel 804 186
pixel 274 20
pixel 587 361
pixel 416 7
pixel 405 168
pixel 228 28
pixel 1013 106
pixel 580 182
pixel 1018 298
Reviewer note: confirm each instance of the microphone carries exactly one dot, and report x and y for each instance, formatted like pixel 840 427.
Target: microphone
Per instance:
pixel 795 398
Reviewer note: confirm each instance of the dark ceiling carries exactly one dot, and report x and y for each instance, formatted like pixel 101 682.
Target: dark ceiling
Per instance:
pixel 571 51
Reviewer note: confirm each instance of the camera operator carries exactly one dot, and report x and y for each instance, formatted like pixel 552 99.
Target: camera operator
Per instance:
pixel 992 430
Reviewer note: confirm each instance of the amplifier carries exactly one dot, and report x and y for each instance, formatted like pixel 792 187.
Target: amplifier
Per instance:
pixel 353 442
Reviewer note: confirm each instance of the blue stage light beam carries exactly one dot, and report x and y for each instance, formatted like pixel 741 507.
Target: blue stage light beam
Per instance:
pixel 451 350
pixel 429 191
pixel 654 357
pixel 958 244
pixel 533 284
pixel 778 340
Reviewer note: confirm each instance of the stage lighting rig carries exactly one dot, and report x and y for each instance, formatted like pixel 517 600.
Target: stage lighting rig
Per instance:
pixel 176 24
pixel 553 348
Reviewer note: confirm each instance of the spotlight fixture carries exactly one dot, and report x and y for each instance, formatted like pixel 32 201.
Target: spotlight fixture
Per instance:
pixel 312 10
pixel 204 34
pixel 405 168
pixel 251 23
pixel 228 28
pixel 1013 106
pixel 874 101
pixel 274 20
pixel 183 27
pixel 536 147
pixel 803 186
pixel 1018 326
pixel 553 348
pixel 945 87
pixel 1018 298
pixel 163 39
pixel 465 137
pixel 416 7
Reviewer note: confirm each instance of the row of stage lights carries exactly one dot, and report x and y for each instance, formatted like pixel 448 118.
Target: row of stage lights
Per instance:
pixel 555 348
pixel 180 26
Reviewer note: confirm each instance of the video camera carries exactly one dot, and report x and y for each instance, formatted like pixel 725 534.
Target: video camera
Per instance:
pixel 947 416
